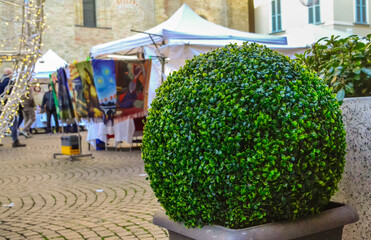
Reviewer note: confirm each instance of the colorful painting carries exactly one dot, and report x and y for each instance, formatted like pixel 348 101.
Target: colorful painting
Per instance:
pixel 132 79
pixel 78 100
pixel 64 100
pixel 105 84
pixel 90 93
pixel 70 90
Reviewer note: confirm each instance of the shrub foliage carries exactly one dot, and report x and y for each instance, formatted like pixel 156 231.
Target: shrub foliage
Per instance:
pixel 243 136
pixel 343 63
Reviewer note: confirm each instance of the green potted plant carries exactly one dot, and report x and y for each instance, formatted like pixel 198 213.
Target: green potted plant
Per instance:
pixel 343 63
pixel 242 142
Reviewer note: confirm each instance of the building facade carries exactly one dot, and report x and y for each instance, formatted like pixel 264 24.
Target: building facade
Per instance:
pixel 277 16
pixel 73 26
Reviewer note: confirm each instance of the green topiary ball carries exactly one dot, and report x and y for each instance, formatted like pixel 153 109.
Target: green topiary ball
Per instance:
pixel 242 136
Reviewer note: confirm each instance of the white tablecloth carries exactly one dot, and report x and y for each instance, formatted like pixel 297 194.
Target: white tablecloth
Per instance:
pixel 123 131
pixel 41 121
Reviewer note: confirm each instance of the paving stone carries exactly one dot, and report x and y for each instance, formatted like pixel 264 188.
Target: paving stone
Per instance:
pixel 30 234
pixel 85 198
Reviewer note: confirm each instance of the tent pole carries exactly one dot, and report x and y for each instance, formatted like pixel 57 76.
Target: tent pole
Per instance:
pixel 162 59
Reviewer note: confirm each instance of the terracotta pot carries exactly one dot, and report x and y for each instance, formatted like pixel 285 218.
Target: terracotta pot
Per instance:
pixel 328 225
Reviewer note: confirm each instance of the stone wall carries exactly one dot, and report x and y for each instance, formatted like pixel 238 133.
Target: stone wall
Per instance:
pixel 355 187
pixel 66 35
pixel 238 15
pixel 11 27
pixel 59 34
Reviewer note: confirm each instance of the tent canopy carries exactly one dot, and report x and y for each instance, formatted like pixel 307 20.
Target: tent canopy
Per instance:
pixel 47 64
pixel 184 24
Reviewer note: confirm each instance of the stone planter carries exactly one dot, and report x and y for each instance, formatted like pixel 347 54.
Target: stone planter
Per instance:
pixel 328 225
pixel 355 186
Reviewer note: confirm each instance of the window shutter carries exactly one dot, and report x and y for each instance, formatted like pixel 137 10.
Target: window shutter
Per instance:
pixel 89 13
pixel 314 13
pixel 276 16
pixel 310 15
pixel 318 13
pixel 360 11
pixel 273 16
pixel 363 11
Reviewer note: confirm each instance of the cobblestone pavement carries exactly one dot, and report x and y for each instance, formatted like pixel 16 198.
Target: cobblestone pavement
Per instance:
pixel 107 197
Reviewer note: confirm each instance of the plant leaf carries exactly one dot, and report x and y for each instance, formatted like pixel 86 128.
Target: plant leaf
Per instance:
pixel 367 71
pixel 334 79
pixel 338 71
pixel 357 70
pixel 350 88
pixel 335 84
pixel 340 95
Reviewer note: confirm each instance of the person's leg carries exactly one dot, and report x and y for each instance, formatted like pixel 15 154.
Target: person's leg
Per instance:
pixel 23 132
pixel 20 120
pixel 33 119
pixel 14 129
pixel 29 119
pixel 48 121
pixel 26 118
pixel 1 143
pixel 68 128
pixel 56 121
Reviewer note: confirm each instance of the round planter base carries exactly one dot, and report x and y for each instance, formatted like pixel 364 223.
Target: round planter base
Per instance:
pixel 328 225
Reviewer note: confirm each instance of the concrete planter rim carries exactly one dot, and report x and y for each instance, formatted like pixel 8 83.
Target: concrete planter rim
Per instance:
pixel 357 98
pixel 333 218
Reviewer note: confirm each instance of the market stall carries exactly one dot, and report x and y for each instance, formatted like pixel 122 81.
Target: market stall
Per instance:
pixel 158 44
pixel 44 67
pixel 107 94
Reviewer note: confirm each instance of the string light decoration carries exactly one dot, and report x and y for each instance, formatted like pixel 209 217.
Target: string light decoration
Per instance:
pixel 21 27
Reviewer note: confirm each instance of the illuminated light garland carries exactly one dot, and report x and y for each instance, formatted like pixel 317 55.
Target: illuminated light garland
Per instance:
pixel 21 58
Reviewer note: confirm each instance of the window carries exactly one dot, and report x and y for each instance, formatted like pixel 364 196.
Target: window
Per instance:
pixel 314 13
pixel 88 7
pixel 361 11
pixel 93 13
pixel 276 16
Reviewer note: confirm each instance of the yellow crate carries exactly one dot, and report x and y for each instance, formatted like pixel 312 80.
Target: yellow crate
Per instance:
pixel 67 150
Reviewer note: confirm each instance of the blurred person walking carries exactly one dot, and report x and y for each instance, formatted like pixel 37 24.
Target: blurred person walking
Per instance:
pixel 48 105
pixel 5 81
pixel 28 113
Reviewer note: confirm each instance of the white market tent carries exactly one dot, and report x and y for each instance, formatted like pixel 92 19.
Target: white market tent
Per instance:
pixel 184 24
pixel 184 35
pixel 47 64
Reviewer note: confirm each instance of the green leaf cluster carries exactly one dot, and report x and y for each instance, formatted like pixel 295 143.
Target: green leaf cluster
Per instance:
pixel 243 136
pixel 343 63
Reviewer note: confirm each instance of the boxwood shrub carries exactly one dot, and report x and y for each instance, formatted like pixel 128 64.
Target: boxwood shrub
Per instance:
pixel 243 136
